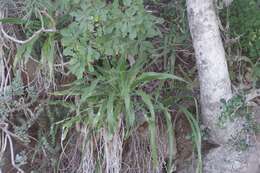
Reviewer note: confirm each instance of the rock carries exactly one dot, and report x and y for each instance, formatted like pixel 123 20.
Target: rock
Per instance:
pixel 227 159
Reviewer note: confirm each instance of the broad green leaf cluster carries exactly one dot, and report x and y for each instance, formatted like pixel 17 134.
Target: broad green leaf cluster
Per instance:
pixel 88 31
pixel 105 46
pixel 100 30
pixel 113 92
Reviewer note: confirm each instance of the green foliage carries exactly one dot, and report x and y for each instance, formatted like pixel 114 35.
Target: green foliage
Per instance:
pixel 48 53
pixel 196 136
pixel 253 69
pixel 245 22
pixel 90 30
pixel 230 109
pixel 101 30
pixel 236 107
pixel 241 141
pixel 24 52
pixel 106 45
pixel 112 91
pixel 171 136
pixel 256 74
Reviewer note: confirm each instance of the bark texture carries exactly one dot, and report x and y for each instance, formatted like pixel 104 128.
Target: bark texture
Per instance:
pixel 228 159
pixel 214 86
pixel 2 73
pixel 212 66
pixel 227 2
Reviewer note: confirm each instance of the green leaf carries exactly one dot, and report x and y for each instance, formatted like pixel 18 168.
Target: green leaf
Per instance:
pixel 130 116
pixel 152 126
pixel 135 69
pixel 132 33
pixel 48 53
pixel 127 2
pixel 149 76
pixel 68 52
pixel 196 136
pixel 99 115
pixel 88 91
pixel 24 51
pixel 13 20
pixel 77 67
pixel 256 71
pixel 111 118
pixel 171 137
pixel 68 125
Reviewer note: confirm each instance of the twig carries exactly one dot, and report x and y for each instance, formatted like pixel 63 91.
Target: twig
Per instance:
pixel 253 94
pixel 29 39
pixel 8 135
pixel 42 30
pixel 3 144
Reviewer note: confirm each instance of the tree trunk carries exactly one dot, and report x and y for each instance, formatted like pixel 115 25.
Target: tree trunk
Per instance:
pixel 215 85
pixel 2 73
pixel 212 66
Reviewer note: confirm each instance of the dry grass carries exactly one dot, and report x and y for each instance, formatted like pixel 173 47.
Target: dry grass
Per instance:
pixel 137 153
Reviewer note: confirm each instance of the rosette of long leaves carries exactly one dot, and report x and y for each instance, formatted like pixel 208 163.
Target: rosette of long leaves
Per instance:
pixel 114 91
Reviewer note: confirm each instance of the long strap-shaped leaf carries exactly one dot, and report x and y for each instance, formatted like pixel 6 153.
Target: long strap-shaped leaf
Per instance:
pixel 171 136
pixel 196 136
pixel 149 76
pixel 111 118
pixel 152 127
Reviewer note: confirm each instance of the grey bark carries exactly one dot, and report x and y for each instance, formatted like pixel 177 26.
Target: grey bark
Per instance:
pixel 215 85
pixel 227 2
pixel 212 67
pixel 1 66
pixel 228 159
pixel 1 58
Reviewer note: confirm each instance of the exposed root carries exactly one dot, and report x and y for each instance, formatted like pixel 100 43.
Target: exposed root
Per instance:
pixel 113 151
